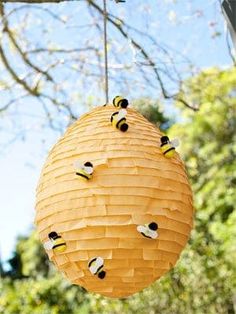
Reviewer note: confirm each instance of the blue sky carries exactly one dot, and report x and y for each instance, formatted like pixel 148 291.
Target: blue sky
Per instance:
pixel 22 155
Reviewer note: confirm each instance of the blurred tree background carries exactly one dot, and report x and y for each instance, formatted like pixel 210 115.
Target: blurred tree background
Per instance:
pixel 204 280
pixel 51 59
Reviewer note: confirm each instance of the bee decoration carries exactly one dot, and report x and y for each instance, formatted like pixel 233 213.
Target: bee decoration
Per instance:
pixel 168 147
pixel 118 120
pixel 96 267
pixel 148 230
pixel 55 243
pixel 120 102
pixel 85 170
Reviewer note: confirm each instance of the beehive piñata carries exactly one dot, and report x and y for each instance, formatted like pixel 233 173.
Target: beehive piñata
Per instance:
pixel 121 221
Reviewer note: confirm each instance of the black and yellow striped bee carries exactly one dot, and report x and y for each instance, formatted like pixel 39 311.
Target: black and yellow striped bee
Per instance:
pixel 55 243
pixel 168 147
pixel 85 170
pixel 120 102
pixel 149 230
pixel 118 120
pixel 96 267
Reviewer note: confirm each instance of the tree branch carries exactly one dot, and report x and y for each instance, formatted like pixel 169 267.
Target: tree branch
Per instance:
pixel 18 48
pixel 134 43
pixel 37 1
pixel 23 83
pixel 118 25
pixel 159 71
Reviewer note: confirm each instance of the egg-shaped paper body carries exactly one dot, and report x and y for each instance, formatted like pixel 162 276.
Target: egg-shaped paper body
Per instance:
pixel 133 184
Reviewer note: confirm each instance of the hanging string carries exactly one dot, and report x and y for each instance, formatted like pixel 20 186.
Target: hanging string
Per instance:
pixel 105 51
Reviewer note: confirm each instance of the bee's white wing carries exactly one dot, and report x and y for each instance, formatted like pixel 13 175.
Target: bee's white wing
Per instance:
pixel 141 229
pixel 78 164
pixel 153 234
pixel 175 142
pixel 94 267
pixel 48 245
pixel 122 113
pixel 89 170
pixel 100 261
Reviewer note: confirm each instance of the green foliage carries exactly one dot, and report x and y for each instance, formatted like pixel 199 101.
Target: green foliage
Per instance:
pixel 204 279
pixel 51 295
pixel 34 261
pixel 209 146
pixel 37 288
pixel 151 110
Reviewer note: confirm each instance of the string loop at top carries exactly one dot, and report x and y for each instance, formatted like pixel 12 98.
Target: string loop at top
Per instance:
pixel 106 84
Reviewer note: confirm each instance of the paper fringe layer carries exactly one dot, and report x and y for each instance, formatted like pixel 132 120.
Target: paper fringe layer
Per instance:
pixel 132 184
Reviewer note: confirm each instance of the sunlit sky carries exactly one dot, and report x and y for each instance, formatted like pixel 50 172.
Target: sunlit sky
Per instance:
pixel 22 158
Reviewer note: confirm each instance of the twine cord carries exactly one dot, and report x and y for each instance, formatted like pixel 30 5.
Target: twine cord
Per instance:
pixel 106 86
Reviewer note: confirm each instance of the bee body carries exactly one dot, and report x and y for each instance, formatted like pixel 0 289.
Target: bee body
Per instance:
pixel 118 120
pixel 83 174
pixel 96 267
pixel 167 147
pixel 59 245
pixel 168 150
pixel 55 243
pixel 120 102
pixel 84 171
pixel 148 230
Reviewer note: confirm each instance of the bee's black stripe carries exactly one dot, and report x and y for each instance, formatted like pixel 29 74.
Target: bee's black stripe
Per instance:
pixel 168 150
pixel 119 103
pixel 119 122
pixel 82 175
pixel 90 263
pixel 114 114
pixel 57 245
pixel 98 270
pixel 145 235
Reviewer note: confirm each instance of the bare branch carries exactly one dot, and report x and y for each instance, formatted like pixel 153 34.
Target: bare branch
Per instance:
pixel 135 43
pixel 11 102
pixel 116 22
pixel 59 50
pixel 59 104
pixel 23 83
pixel 18 48
pixel 37 1
pixel 84 64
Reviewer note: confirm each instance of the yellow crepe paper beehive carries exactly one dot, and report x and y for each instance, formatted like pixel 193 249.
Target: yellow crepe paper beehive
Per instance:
pixel 133 184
